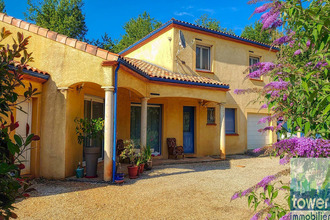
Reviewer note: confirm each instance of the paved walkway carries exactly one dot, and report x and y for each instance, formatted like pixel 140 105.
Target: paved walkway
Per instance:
pixel 180 191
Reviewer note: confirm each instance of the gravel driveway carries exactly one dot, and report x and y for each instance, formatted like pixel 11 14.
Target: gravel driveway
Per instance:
pixel 185 191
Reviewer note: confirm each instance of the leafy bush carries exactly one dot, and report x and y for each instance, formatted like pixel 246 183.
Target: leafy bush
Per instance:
pixel 12 186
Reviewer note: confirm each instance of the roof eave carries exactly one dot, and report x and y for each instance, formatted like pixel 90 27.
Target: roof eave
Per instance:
pixel 172 22
pixel 157 79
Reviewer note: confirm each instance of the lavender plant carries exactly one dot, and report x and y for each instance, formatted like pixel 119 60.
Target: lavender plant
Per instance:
pixel 298 94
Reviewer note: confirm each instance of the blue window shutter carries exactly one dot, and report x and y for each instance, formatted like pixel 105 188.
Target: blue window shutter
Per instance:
pixel 230 121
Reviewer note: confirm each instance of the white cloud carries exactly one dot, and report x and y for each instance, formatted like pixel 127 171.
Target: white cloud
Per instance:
pixel 208 10
pixel 183 13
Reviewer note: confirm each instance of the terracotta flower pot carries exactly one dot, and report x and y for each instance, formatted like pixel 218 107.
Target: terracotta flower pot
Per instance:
pixel 133 172
pixel 141 168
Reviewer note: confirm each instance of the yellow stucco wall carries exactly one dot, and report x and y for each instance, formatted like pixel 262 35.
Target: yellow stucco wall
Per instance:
pixel 228 62
pixel 159 51
pixel 67 66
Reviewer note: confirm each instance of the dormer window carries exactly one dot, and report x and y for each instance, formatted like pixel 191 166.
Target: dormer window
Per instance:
pixel 203 58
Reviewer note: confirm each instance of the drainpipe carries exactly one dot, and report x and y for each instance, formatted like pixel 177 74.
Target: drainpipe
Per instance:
pixel 115 123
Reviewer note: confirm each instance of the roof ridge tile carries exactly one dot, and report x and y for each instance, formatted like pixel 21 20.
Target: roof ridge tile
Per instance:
pixel 83 46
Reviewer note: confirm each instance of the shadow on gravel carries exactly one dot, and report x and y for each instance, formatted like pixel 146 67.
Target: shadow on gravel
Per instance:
pixel 54 187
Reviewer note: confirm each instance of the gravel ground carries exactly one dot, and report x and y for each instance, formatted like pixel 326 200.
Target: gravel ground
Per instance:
pixel 185 191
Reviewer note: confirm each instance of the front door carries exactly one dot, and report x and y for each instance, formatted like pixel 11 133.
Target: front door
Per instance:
pixel 24 117
pixel 188 129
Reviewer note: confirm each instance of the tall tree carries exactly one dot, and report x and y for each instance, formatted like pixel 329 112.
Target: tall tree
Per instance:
pixel 105 42
pixel 136 28
pixel 212 23
pixel 255 32
pixel 62 16
pixel 2 6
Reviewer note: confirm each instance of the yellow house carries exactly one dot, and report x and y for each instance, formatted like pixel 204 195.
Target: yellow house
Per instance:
pixel 177 82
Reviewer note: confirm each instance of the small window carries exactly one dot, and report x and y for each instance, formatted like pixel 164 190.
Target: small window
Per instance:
pixel 203 60
pixel 210 115
pixel 252 61
pixel 230 121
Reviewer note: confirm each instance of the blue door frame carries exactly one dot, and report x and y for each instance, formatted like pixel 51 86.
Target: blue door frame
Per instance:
pixel 188 129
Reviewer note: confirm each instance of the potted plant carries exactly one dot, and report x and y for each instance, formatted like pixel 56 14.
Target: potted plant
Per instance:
pixel 140 162
pixel 79 171
pixel 147 159
pixel 129 152
pixel 89 131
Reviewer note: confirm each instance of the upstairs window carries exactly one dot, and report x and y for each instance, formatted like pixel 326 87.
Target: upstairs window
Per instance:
pixel 252 61
pixel 203 58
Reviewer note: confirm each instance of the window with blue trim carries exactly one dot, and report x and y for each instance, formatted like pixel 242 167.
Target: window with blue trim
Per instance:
pixel 230 120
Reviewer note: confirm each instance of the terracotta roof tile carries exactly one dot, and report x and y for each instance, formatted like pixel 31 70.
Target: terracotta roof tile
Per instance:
pixel 61 38
pixel 81 45
pixel 51 35
pixel 7 19
pixel 88 48
pixel 34 28
pixel 30 68
pixel 16 22
pixel 222 32
pixel 155 71
pixel 43 31
pixel 25 25
pixel 71 42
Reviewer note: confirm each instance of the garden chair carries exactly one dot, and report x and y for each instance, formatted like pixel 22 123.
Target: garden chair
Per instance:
pixel 173 150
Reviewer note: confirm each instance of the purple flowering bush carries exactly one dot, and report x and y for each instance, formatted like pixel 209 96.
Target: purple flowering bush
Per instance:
pixel 298 94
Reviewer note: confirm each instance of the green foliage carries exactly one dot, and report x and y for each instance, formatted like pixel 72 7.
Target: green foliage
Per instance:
pixel 129 152
pixel 136 29
pixel 307 106
pixel 255 32
pixel 89 129
pixel 2 6
pixel 212 23
pixel 146 154
pixel 62 16
pixel 12 186
pixel 105 42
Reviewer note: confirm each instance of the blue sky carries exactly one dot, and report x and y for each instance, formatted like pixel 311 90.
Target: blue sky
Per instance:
pixel 110 16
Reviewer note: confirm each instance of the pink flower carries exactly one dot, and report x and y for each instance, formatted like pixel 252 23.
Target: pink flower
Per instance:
pixel 264 106
pixel 297 52
pixel 308 43
pixel 262 8
pixel 235 196
pixel 285 97
pixel 282 40
pixel 246 192
pixel 286 217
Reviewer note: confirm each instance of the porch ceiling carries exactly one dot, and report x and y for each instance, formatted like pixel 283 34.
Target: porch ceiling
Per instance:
pixel 159 74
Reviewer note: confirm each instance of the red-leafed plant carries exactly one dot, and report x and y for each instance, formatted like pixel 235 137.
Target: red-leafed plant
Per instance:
pixel 13 59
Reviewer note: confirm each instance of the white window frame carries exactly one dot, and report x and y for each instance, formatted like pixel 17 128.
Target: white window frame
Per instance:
pixel 93 99
pixel 258 61
pixel 201 57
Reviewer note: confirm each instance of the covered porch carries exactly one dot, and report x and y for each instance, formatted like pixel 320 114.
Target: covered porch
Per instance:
pixel 149 109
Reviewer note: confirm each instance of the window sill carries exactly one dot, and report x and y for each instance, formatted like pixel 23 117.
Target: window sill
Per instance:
pixel 258 80
pixel 204 71
pixel 232 134
pixel 211 124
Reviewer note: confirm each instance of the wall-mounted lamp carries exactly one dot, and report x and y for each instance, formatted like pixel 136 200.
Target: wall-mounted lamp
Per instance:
pixel 80 87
